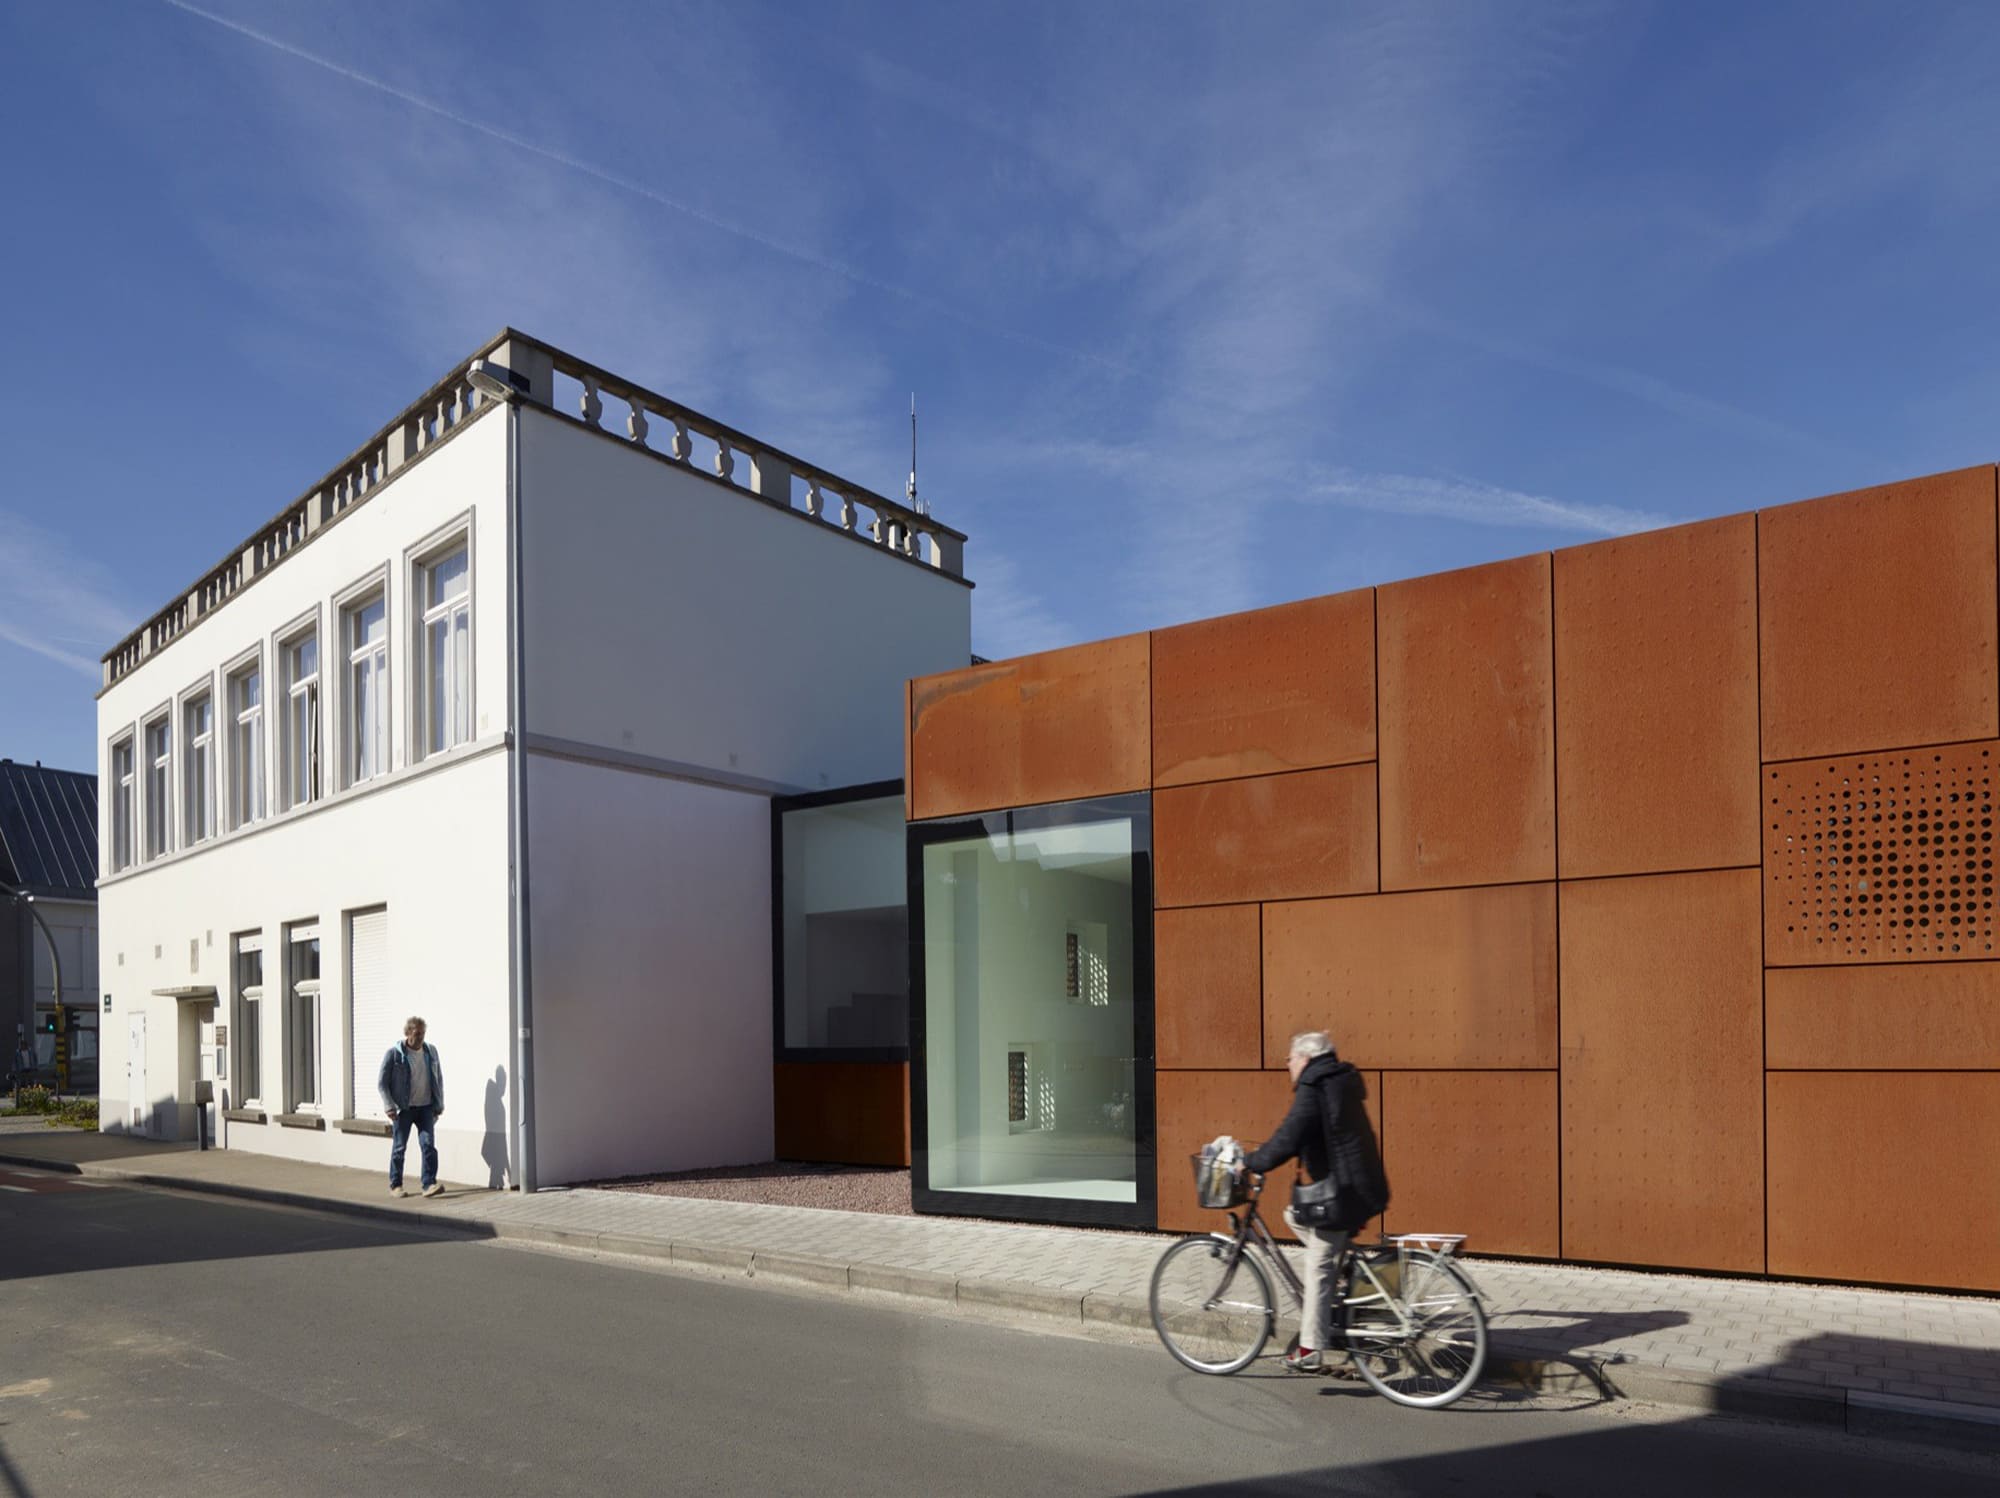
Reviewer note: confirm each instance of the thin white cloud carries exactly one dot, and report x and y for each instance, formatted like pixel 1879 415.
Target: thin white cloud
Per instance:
pixel 1474 503
pixel 55 602
pixel 1009 617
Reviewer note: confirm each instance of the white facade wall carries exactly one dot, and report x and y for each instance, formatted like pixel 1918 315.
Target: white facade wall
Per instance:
pixel 429 840
pixel 673 619
pixel 651 923
pixel 690 650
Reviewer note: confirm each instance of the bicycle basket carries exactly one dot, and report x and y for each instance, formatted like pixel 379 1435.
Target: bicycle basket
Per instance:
pixel 1216 1185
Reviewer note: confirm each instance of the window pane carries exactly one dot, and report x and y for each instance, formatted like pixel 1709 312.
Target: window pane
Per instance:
pixel 435 705
pixel 846 925
pixel 370 624
pixel 1029 1089
pixel 447 578
pixel 461 677
pixel 304 658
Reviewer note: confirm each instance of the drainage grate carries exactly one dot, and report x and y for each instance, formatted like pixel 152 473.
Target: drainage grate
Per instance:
pixel 1880 857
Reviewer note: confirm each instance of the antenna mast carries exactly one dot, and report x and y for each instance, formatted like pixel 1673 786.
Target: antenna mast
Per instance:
pixel 915 503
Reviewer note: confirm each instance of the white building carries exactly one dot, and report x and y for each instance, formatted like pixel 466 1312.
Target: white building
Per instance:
pixel 499 637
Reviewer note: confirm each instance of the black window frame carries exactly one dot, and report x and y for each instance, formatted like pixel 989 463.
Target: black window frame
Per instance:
pixel 1143 1211
pixel 874 790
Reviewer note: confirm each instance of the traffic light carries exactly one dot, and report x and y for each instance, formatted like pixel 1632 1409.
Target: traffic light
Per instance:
pixel 49 1025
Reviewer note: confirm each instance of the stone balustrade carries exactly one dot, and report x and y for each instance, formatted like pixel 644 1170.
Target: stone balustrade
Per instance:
pixel 765 472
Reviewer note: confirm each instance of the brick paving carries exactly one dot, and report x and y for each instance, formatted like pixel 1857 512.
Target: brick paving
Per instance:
pixel 1716 1333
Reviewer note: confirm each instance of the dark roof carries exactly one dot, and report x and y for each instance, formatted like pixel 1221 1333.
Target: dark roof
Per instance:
pixel 48 831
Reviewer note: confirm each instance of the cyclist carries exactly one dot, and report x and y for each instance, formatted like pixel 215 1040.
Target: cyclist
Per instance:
pixel 1328 1132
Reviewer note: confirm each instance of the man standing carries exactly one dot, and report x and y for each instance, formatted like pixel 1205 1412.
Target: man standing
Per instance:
pixel 412 1088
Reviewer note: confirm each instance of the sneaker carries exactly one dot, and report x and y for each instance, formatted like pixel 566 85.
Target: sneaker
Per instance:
pixel 1304 1360
pixel 397 1191
pixel 434 1189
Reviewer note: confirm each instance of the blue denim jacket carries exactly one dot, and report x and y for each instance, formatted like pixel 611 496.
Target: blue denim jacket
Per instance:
pixel 394 1081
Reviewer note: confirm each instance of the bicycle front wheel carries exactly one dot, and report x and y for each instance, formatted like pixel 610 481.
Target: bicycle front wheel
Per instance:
pixel 1420 1339
pixel 1213 1314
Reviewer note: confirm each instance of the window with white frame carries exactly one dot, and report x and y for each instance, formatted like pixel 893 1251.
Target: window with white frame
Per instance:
pixel 302 1048
pixel 159 738
pixel 246 745
pixel 246 1031
pixel 299 733
pixel 124 789
pixel 198 758
pixel 365 635
pixel 444 693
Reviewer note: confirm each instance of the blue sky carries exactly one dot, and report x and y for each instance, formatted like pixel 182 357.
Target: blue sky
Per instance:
pixel 1207 306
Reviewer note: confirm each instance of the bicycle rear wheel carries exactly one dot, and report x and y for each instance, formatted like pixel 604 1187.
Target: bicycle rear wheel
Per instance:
pixel 1424 1343
pixel 1213 1315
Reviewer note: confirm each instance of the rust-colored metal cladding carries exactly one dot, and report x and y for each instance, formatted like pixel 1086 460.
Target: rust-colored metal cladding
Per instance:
pixel 1656 693
pixel 1286 688
pixel 1467 727
pixel 1892 1177
pixel 1881 857
pixel 1919 1016
pixel 1054 727
pixel 1475 1153
pixel 1460 978
pixel 1662 1071
pixel 1877 617
pixel 1207 999
pixel 1194 1106
pixel 1191 1108
pixel 846 1112
pixel 1274 837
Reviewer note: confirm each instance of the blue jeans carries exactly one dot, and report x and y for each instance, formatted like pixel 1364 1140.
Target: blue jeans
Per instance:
pixel 424 1120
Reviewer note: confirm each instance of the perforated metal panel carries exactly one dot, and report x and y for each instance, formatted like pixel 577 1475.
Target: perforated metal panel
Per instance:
pixel 1880 857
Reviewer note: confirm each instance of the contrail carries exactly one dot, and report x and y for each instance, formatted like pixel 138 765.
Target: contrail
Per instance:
pixel 801 253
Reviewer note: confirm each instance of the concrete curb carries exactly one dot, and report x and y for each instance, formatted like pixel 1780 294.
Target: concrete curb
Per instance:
pixel 1856 1411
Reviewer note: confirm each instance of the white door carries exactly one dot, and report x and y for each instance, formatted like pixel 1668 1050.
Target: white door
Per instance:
pixel 141 1113
pixel 372 1023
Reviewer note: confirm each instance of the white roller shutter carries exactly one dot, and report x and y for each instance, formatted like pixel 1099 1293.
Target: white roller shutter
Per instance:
pixel 373 1023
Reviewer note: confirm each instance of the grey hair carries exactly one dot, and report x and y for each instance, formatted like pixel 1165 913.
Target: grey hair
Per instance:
pixel 416 1022
pixel 1310 1044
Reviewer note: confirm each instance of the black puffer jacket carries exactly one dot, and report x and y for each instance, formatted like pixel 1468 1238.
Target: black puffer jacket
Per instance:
pixel 1326 1108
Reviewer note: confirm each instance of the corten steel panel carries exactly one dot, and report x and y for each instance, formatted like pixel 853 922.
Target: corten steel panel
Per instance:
pixel 1877 617
pixel 1286 688
pixel 1663 1071
pixel 1886 1176
pixel 1274 837
pixel 1207 991
pixel 1467 727
pixel 1921 1016
pixel 1460 978
pixel 845 1112
pixel 1054 727
pixel 1195 1106
pixel 1475 1153
pixel 1880 857
pixel 1656 701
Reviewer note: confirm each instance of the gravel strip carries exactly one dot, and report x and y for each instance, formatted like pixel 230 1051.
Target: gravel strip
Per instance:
pixel 785 1183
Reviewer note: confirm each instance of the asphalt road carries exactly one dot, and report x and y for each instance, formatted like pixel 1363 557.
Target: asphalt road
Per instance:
pixel 153 1343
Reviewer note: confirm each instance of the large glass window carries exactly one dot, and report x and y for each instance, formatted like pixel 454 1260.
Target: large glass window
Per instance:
pixel 1032 1063
pixel 844 952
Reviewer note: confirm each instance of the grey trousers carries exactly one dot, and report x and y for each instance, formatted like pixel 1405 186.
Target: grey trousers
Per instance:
pixel 1324 1251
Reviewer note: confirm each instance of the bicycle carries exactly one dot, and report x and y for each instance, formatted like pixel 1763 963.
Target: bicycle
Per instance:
pixel 1412 1320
